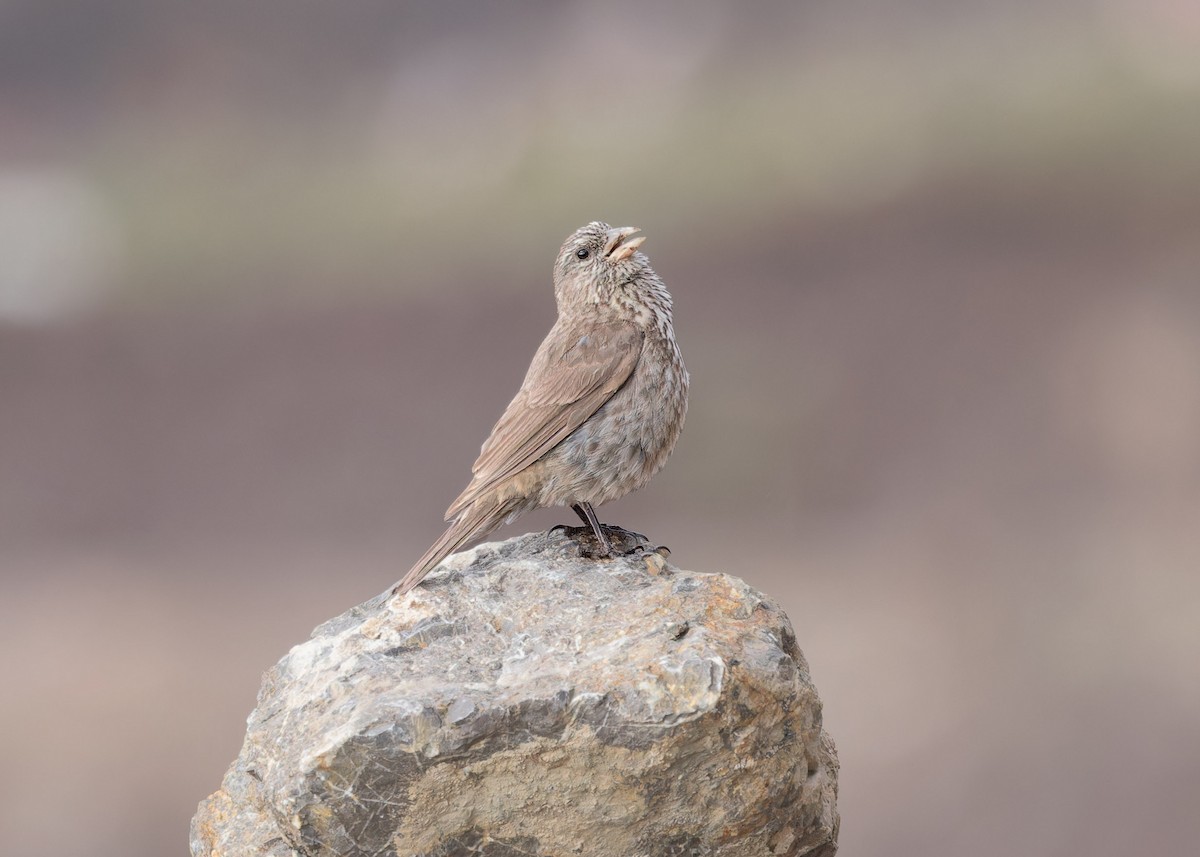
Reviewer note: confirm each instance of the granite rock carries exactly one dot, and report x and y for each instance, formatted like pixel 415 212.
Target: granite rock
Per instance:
pixel 527 701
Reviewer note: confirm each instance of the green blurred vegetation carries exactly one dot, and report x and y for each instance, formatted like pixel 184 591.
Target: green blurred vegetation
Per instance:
pixel 239 204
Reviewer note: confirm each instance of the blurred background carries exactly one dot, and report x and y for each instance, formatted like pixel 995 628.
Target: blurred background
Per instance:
pixel 270 271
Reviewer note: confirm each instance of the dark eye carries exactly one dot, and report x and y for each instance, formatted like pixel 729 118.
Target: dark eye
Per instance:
pixel 582 252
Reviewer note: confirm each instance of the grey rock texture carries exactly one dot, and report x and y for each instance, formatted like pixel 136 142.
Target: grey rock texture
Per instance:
pixel 527 701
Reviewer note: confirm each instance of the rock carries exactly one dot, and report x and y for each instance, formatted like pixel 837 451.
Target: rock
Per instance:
pixel 525 701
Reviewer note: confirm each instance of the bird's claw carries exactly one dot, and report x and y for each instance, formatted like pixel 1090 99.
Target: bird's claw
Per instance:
pixel 623 542
pixel 642 549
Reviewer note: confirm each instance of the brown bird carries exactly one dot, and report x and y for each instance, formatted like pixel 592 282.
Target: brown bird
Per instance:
pixel 601 405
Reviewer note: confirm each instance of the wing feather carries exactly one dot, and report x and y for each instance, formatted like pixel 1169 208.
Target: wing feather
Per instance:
pixel 576 370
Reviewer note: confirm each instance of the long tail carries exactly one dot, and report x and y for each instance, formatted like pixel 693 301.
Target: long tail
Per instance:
pixel 474 522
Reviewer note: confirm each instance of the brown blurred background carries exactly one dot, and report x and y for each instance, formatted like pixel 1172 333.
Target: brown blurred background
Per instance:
pixel 269 271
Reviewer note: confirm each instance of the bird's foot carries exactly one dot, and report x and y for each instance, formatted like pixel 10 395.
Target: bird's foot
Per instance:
pixel 638 543
pixel 621 536
pixel 623 542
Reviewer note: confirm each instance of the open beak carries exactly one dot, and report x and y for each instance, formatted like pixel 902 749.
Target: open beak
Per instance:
pixel 620 245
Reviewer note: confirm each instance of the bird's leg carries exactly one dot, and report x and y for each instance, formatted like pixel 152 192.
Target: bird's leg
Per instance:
pixel 588 515
pixel 615 529
pixel 578 510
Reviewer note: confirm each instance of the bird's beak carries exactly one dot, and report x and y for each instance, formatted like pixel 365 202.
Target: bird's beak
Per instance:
pixel 619 245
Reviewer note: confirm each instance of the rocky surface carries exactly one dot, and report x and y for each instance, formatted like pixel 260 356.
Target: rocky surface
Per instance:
pixel 527 701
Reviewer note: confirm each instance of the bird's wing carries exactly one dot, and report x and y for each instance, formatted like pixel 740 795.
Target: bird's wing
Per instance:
pixel 574 372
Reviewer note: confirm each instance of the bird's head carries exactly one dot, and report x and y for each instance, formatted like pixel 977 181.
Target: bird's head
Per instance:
pixel 599 262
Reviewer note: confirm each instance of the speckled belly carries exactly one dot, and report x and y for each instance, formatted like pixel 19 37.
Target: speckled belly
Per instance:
pixel 624 443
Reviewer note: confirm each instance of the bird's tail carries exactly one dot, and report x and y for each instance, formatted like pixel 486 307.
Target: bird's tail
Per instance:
pixel 474 522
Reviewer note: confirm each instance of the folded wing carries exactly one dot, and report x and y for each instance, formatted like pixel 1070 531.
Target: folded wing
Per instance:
pixel 574 372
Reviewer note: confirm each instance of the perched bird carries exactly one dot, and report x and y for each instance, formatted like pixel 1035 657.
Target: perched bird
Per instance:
pixel 601 405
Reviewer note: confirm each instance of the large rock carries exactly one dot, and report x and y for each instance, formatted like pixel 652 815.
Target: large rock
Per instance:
pixel 525 701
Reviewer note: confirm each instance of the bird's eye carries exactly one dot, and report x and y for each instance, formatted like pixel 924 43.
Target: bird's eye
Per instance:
pixel 582 252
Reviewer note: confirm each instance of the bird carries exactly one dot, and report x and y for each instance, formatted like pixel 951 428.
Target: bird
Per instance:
pixel 601 406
